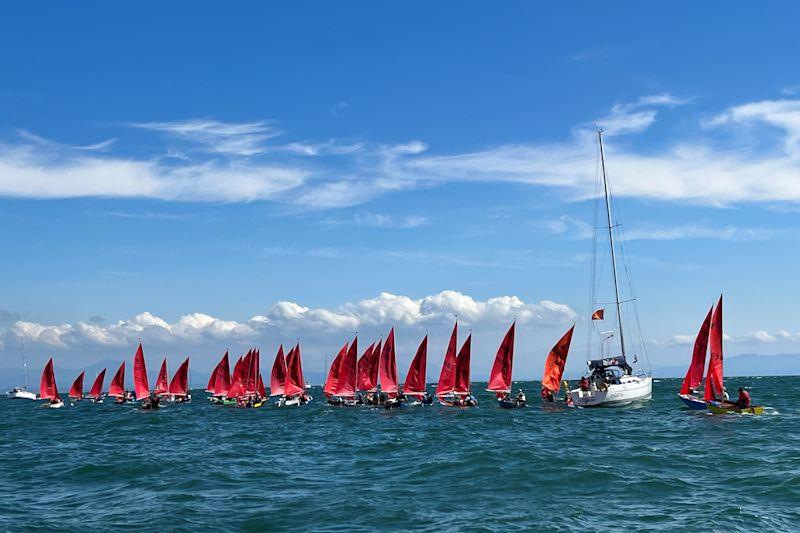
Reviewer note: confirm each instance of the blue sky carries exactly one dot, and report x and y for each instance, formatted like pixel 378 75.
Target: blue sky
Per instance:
pixel 173 172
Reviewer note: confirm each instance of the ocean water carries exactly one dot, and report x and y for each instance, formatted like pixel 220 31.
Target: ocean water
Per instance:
pixel 200 467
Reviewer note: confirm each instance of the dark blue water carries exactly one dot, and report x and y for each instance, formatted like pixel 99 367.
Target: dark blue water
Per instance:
pixel 197 466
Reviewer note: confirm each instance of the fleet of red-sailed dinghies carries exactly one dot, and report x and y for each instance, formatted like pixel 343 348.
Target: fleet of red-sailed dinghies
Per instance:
pixel 372 379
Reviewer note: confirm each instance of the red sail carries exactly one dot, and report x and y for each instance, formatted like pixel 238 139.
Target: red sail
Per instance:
pixel 295 381
pixel 462 367
pixel 373 364
pixel 179 386
pixel 117 385
pixel 162 383
pixel 333 374
pixel 223 377
pixel 140 384
pixel 388 366
pixel 447 378
pixel 97 386
pixel 213 379
pixel 415 379
pixel 346 384
pixel 364 380
pixel 235 390
pixel 244 376
pixel 277 379
pixel 714 379
pixel 47 388
pixel 694 376
pixel 260 387
pixel 76 391
pixel 554 365
pixel 500 378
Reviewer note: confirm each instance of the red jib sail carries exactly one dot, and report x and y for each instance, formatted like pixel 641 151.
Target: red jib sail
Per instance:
pixel 714 380
pixel 295 381
pixel 212 380
pixel 76 391
pixel 97 386
pixel 235 390
pixel 388 366
pixel 364 380
pixel 447 377
pixel 462 367
pixel 500 377
pixel 140 384
pixel 694 376
pixel 179 386
pixel 373 364
pixel 277 379
pixel 415 379
pixel 260 387
pixel 223 377
pixel 244 375
pixel 117 385
pixel 162 383
pixel 346 384
pixel 333 374
pixel 554 364
pixel 47 388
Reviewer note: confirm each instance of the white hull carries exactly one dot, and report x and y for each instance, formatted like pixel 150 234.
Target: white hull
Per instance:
pixel 631 389
pixel 19 394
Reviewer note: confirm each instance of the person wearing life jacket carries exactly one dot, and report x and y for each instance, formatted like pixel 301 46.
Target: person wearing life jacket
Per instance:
pixel 743 402
pixel 584 383
pixel 521 397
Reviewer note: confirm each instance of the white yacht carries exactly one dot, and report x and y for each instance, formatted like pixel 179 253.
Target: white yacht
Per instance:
pixel 22 393
pixel 611 381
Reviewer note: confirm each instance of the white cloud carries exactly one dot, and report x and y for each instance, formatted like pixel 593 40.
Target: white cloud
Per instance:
pixel 383 310
pixel 229 138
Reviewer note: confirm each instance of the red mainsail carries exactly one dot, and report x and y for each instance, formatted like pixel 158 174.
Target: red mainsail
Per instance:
pixel 47 387
pixel 295 381
pixel 388 366
pixel 277 380
pixel 500 377
pixel 415 379
pixel 554 364
pixel 212 380
pixel 76 391
pixel 244 375
pixel 714 380
pixel 117 385
pixel 694 376
pixel 365 380
pixel 333 373
pixel 140 384
pixel 346 382
pixel 462 367
pixel 179 386
pixel 447 377
pixel 97 386
pixel 223 376
pixel 162 383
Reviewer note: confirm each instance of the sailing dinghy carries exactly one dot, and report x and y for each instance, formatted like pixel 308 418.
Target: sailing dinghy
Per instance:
pixel 141 386
pixel 162 382
pixel 554 371
pixel 96 392
pixel 415 384
pixel 500 377
pixel 453 389
pixel 340 387
pixel 294 387
pixel 715 394
pixel 116 389
pixel 611 381
pixel 76 390
pixel 694 375
pixel 367 380
pixel 387 370
pixel 48 389
pixel 220 381
pixel 178 389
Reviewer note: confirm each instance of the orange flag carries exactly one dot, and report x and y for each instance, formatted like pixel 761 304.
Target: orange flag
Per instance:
pixel 598 315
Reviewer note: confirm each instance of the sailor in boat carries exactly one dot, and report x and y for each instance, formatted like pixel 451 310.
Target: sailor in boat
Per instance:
pixel 470 400
pixel 743 402
pixel 521 399
pixel 547 395
pixel 151 402
pixel 55 403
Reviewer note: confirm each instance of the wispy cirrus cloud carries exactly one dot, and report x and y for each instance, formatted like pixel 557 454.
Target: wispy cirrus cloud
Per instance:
pixel 228 138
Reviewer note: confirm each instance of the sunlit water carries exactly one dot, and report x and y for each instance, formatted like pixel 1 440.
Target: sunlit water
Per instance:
pixel 198 466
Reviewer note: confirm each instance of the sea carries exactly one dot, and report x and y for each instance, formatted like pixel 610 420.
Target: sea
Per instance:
pixel 194 467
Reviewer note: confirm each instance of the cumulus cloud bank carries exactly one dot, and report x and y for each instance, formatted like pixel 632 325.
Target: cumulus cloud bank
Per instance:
pixel 386 309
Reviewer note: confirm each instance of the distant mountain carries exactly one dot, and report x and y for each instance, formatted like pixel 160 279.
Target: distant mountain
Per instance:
pixel 745 365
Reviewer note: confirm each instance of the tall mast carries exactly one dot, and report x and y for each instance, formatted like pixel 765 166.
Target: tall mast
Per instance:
pixel 611 241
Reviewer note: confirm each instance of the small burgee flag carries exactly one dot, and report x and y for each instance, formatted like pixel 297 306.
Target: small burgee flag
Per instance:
pixel 598 315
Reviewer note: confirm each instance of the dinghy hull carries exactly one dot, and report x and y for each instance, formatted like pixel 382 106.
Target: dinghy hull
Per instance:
pixel 720 408
pixel 693 402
